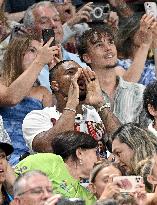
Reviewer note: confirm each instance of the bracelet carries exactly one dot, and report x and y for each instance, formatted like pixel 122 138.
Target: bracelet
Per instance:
pixel 106 105
pixel 70 109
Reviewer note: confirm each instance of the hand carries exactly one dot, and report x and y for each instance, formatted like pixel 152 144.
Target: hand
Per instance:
pixel 110 190
pixel 140 194
pixel 113 19
pixel 145 34
pixel 94 95
pixel 46 54
pixel 57 58
pixel 113 2
pixel 73 95
pixel 52 200
pixel 82 15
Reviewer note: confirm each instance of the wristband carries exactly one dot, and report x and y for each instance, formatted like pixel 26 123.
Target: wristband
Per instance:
pixel 106 105
pixel 70 109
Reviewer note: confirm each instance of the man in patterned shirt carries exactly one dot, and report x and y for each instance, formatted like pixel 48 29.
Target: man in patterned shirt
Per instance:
pixel 76 90
pixel 96 47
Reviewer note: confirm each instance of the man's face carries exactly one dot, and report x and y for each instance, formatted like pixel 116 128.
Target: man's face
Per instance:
pixel 64 75
pixel 101 52
pixel 36 191
pixel 3 166
pixel 47 17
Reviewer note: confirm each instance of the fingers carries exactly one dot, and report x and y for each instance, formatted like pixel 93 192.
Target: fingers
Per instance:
pixel 57 59
pixel 87 7
pixel 52 200
pixel 74 84
pixel 49 41
pixel 113 18
pixel 77 74
pixel 85 15
pixel 60 53
pixel 147 21
pixel 75 78
pixel 89 75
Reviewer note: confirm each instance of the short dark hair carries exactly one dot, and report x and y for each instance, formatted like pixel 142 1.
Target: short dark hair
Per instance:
pixel 54 69
pixel 66 143
pixel 89 36
pixel 150 97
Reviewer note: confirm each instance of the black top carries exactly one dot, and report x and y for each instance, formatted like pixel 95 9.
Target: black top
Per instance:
pixel 12 6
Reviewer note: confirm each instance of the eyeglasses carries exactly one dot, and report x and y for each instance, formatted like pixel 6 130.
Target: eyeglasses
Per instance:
pixel 37 191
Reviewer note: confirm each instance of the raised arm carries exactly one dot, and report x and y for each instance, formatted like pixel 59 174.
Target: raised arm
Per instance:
pixel 41 142
pixel 13 94
pixel 96 99
pixel 144 35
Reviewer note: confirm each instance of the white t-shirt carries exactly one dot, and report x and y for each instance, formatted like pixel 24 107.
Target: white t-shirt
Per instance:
pixel 38 121
pixel 152 130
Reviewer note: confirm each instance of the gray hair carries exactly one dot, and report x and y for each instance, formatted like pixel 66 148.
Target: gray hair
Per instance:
pixel 21 180
pixel 29 18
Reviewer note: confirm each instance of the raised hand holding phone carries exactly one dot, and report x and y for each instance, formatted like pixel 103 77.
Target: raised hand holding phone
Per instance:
pixel 151 9
pixel 47 34
pixel 128 183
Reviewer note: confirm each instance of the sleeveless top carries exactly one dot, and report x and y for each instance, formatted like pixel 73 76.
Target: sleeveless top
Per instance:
pixel 13 119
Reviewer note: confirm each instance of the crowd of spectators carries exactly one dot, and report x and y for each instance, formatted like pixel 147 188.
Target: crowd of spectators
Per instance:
pixel 78 107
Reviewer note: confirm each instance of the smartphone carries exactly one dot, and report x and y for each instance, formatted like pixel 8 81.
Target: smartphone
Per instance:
pixel 151 9
pixel 128 183
pixel 47 34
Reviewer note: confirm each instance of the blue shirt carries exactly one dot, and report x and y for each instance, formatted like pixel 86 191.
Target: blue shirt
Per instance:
pixel 44 74
pixel 148 75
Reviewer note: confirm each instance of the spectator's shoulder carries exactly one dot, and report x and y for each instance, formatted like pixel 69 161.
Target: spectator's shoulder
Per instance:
pixel 131 85
pixel 35 161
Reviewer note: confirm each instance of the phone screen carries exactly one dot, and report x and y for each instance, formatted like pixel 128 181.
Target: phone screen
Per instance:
pixel 128 183
pixel 47 34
